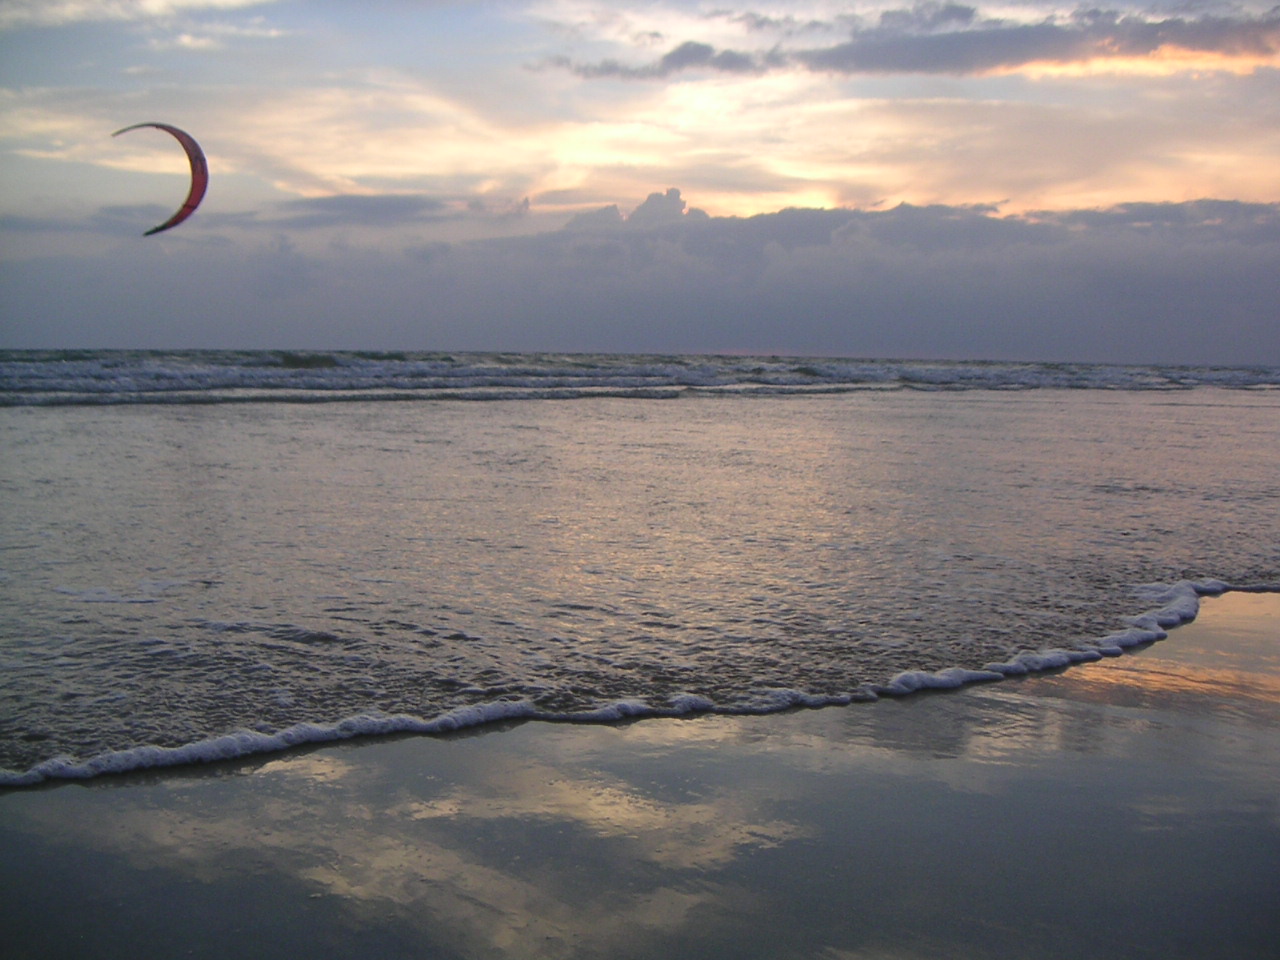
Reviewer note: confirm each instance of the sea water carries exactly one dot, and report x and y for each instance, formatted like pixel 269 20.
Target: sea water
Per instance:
pixel 204 555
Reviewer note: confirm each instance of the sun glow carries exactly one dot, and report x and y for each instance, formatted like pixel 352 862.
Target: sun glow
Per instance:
pixel 1165 62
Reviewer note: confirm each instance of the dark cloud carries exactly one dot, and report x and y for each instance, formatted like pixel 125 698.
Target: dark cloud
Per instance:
pixel 351 210
pixel 687 56
pixel 956 39
pixel 658 210
pixel 117 219
pixel 1182 282
pixel 663 209
pixel 928 17
pixel 1223 219
pixel 606 218
pixel 953 39
pixel 955 52
pixel 374 210
pixel 761 23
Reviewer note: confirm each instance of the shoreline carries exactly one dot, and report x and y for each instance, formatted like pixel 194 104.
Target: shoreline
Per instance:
pixel 984 822
pixel 1173 605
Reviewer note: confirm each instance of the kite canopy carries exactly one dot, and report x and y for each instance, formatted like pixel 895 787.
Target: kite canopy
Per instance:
pixel 199 173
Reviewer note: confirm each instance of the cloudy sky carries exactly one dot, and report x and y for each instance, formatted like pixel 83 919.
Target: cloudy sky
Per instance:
pixel 1019 179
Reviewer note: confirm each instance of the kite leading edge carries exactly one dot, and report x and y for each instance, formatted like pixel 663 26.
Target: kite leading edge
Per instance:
pixel 199 173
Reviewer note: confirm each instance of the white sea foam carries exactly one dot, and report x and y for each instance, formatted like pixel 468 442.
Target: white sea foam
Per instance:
pixel 911 681
pixel 244 743
pixel 1179 603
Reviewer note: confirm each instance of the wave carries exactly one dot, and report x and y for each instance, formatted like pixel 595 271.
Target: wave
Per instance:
pixel 1176 604
pixel 59 377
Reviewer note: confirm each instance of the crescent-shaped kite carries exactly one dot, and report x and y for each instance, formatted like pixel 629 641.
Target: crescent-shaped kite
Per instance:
pixel 199 173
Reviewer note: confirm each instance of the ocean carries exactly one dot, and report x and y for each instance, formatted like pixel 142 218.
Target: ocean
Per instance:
pixel 209 554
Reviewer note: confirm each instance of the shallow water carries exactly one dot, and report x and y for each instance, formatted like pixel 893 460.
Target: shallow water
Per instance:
pixel 1124 808
pixel 177 573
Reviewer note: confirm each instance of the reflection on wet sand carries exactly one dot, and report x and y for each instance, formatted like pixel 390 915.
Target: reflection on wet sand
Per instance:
pixel 339 827
pixel 891 829
pixel 1168 684
pixel 1225 663
pixel 681 835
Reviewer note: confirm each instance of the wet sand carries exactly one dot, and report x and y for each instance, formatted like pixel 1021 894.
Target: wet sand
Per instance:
pixel 1126 808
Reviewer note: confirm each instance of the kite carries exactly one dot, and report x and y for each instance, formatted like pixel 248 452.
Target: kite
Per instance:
pixel 199 173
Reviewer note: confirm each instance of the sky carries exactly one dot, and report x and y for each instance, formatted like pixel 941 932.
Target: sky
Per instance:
pixel 1004 180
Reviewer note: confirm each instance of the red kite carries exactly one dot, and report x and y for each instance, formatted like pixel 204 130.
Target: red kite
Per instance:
pixel 199 173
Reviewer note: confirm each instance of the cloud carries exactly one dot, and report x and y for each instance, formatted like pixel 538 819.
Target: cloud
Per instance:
pixel 1223 220
pixel 350 210
pixel 933 38
pixel 379 210
pixel 785 25
pixel 687 56
pixel 954 40
pixel 328 215
pixel 215 36
pixel 663 209
pixel 43 13
pixel 1178 282
pixel 659 211
pixel 327 117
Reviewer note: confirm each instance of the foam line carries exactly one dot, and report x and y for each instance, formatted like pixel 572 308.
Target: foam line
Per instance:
pixel 1174 604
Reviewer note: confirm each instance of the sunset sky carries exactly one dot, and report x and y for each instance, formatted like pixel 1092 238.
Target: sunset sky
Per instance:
pixel 1020 180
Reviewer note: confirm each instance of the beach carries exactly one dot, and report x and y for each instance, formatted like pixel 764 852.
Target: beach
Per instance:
pixel 1123 808
pixel 565 657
